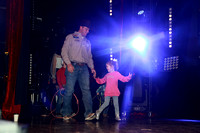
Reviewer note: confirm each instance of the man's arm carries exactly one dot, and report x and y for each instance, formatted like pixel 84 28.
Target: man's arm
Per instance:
pixel 65 53
pixel 90 62
pixel 65 50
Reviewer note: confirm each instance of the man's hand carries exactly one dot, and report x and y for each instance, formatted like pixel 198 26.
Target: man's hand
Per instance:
pixel 70 68
pixel 94 73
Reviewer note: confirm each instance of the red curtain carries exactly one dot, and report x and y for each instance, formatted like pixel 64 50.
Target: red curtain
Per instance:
pixel 15 11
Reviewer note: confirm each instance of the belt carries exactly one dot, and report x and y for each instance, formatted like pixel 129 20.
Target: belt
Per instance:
pixel 79 64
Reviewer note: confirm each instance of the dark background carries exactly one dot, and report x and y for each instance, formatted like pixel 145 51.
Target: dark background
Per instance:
pixel 173 93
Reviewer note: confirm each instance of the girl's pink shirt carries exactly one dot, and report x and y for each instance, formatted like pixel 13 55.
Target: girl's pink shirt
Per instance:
pixel 111 80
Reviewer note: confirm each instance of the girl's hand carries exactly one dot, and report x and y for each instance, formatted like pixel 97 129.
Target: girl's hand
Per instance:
pixel 130 75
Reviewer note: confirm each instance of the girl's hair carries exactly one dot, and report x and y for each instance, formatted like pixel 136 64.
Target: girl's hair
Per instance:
pixel 113 63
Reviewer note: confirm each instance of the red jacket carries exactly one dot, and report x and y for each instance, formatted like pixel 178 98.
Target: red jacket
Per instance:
pixel 61 78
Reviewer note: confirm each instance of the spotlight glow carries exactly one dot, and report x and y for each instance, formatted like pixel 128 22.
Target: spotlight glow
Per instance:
pixel 127 100
pixel 141 12
pixel 139 43
pixel 185 120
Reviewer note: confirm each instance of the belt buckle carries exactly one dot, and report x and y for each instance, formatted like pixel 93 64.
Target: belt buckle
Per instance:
pixel 81 64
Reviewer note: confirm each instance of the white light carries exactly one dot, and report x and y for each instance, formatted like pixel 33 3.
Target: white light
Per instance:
pixel 114 59
pixel 39 18
pixel 110 11
pixel 141 12
pixel 139 43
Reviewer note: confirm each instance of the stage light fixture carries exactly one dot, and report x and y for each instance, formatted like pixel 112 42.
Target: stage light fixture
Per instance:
pixel 171 63
pixel 170 27
pixel 111 54
pixel 110 10
pixel 141 12
pixel 30 69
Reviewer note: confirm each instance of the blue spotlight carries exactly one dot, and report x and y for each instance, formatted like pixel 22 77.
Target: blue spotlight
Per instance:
pixel 141 12
pixel 139 44
pixel 127 100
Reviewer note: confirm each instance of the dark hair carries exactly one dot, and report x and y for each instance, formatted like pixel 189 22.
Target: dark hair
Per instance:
pixel 113 63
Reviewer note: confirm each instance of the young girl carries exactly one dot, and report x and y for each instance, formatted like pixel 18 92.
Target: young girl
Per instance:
pixel 111 90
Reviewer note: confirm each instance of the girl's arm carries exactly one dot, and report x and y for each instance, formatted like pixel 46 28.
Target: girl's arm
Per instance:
pixel 125 78
pixel 101 81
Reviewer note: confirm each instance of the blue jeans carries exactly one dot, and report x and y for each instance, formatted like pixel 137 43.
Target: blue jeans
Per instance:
pixel 106 103
pixel 81 74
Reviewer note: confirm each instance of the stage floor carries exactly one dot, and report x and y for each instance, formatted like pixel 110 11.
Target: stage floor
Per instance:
pixel 49 124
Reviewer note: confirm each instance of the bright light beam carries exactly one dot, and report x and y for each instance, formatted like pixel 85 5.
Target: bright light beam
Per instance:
pixel 139 43
pixel 141 12
pixel 127 100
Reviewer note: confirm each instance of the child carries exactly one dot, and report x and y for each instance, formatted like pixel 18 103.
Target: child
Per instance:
pixel 111 90
pixel 61 79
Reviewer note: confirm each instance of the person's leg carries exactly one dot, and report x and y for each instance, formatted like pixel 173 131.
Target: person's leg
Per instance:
pixel 103 106
pixel 59 102
pixel 69 89
pixel 83 79
pixel 116 105
pixel 105 111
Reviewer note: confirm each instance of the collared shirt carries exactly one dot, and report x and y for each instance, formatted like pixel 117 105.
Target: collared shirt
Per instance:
pixel 77 48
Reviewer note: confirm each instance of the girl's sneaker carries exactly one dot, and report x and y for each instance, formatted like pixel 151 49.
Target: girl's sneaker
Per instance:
pixel 117 118
pixel 97 115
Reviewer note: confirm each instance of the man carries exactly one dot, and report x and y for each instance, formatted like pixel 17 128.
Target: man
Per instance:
pixel 76 53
